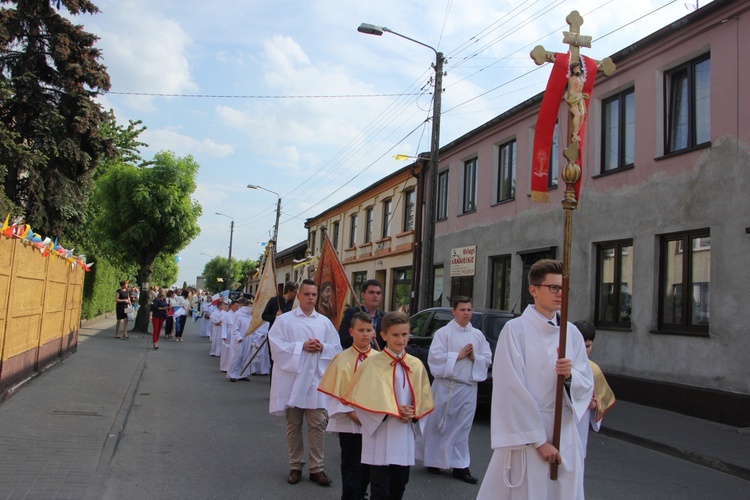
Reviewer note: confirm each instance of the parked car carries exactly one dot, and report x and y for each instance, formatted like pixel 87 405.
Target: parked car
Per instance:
pixel 425 323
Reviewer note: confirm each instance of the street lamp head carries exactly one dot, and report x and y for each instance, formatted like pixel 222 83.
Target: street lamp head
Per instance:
pixel 371 29
pixel 252 186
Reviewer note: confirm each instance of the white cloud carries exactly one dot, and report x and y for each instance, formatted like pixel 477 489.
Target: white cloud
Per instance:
pixel 183 145
pixel 144 52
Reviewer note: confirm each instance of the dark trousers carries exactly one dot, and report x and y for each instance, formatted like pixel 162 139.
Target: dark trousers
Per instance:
pixel 354 474
pixel 168 325
pixel 180 326
pixel 388 482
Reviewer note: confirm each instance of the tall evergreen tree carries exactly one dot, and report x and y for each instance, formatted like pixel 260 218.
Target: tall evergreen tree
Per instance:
pixel 50 143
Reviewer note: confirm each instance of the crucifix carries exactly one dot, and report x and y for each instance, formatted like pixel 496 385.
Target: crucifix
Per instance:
pixel 572 79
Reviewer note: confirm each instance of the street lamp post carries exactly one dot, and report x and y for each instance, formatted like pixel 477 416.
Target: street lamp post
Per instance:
pixel 425 288
pixel 278 211
pixel 229 261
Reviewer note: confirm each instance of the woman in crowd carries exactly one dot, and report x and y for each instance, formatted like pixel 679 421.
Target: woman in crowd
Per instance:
pixel 158 314
pixel 169 322
pixel 122 300
pixel 181 301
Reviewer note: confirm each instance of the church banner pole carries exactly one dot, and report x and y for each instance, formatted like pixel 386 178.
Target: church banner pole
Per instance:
pixel 572 79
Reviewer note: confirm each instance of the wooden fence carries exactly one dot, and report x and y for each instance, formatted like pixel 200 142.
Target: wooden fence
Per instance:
pixel 40 310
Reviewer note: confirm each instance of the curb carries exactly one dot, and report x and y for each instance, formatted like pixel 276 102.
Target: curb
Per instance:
pixel 690 456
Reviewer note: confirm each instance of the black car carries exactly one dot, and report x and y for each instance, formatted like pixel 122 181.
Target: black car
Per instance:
pixel 425 323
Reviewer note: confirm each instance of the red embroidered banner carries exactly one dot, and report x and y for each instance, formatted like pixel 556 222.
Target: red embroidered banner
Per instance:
pixel 332 283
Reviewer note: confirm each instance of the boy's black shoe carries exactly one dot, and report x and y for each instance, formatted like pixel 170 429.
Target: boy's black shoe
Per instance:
pixel 433 470
pixel 465 476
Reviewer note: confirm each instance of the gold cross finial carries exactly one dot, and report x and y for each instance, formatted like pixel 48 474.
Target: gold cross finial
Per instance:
pixel 574 40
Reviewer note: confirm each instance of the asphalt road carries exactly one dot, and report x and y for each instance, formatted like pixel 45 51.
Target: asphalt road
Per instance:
pixel 191 434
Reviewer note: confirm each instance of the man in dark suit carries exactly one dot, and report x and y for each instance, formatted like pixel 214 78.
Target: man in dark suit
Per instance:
pixel 372 296
pixel 277 306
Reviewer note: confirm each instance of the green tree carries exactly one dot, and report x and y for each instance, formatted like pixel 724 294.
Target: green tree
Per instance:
pixel 50 142
pixel 216 269
pixel 146 212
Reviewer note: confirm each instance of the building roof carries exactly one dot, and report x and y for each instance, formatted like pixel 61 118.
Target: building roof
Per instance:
pixel 287 252
pixel 363 191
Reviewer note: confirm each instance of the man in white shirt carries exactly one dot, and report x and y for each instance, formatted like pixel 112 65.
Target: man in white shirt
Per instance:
pixel 302 343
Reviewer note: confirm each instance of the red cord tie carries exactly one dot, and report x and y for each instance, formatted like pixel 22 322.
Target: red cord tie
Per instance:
pixel 400 361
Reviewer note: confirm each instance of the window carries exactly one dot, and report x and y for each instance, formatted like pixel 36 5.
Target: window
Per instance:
pixel 500 286
pixel 368 225
pixel 685 275
pixel 442 196
pixel 387 216
pixel 554 160
pixel 336 231
pixel 353 231
pixel 618 131
pixel 401 298
pixel 437 291
pixel 358 279
pixel 688 98
pixel 614 282
pixel 506 171
pixel 470 185
pixel 313 237
pixel 410 198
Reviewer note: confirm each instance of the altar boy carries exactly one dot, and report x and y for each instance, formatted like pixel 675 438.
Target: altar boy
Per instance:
pixel 390 393
pixel 342 418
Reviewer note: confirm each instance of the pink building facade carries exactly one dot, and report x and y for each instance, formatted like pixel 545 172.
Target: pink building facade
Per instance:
pixel 662 235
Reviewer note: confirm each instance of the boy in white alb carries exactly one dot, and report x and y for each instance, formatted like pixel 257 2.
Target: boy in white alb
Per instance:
pixel 217 313
pixel 390 393
pixel 303 343
pixel 240 344
pixel 227 327
pixel 459 358
pixel 524 379
pixel 603 398
pixel 261 364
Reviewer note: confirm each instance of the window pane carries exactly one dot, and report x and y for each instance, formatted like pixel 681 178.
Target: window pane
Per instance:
pixel 626 282
pixel 703 101
pixel 611 135
pixel 470 185
pixel 442 208
pixel 606 306
pixel 629 138
pixel 387 215
pixel 500 283
pixel 673 283
pixel 701 277
pixel 506 188
pixel 678 107
pixel 409 210
pixel 336 235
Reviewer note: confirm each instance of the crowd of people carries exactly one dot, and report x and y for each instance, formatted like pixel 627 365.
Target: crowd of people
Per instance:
pixel 361 383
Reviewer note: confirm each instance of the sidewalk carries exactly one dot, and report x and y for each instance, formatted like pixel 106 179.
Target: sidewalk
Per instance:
pixel 59 433
pixel 721 447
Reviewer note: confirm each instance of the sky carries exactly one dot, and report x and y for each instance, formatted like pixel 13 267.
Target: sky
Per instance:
pixel 287 95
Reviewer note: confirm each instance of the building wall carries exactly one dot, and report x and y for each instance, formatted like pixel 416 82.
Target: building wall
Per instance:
pixel 382 256
pixel 703 188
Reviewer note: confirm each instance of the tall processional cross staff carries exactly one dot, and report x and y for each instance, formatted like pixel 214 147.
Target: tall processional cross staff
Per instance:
pixel 572 79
